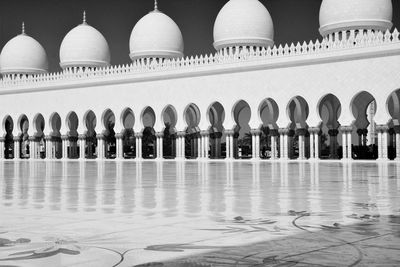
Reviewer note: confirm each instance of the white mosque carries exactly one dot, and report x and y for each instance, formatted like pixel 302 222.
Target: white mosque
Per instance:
pixel 333 98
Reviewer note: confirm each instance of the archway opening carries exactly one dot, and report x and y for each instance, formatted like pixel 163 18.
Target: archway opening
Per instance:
pixel 216 116
pixel 55 135
pixel 363 107
pixel 72 123
pixel 108 120
pixel 169 117
pixel 329 110
pixel 128 135
pixel 149 134
pixel 38 126
pixel 23 127
pixel 393 107
pixel 298 136
pixel 8 126
pixel 269 113
pixel 90 121
pixel 192 138
pixel 242 138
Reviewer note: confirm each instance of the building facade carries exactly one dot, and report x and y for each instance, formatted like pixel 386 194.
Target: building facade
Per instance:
pixel 310 100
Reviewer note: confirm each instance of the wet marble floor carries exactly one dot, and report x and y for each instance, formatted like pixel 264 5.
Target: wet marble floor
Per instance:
pixel 199 214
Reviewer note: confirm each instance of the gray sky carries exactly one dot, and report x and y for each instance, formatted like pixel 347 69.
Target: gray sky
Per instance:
pixel 48 21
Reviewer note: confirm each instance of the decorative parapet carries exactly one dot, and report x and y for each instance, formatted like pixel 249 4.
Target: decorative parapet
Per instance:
pixel 332 43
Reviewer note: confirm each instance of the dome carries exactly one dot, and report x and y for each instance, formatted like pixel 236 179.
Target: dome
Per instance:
pixel 339 15
pixel 23 55
pixel 243 23
pixel 156 35
pixel 84 46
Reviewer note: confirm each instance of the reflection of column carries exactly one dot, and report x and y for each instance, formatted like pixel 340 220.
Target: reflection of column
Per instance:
pixel 138 141
pixel 101 147
pixel 119 146
pixel 17 147
pixel 82 145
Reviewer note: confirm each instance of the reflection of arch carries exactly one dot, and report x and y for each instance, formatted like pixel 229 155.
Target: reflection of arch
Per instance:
pixel 269 113
pixel 55 124
pixel 216 116
pixel 329 109
pixel 38 124
pixel 359 105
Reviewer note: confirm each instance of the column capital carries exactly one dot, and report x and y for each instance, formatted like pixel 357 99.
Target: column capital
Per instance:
pixel 17 138
pixel 397 129
pixel 346 129
pixel 48 137
pixel 138 135
pixel 2 139
pixel 32 138
pixel 283 131
pixel 64 137
pixel 181 134
pixel 255 131
pixel 204 133
pixel 160 135
pixel 314 130
pixel 100 136
pixel 82 136
pixel 229 132
pixel 119 136
pixel 382 128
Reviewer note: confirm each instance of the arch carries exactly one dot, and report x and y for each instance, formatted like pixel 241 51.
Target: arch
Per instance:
pixel 128 137
pixel 192 138
pixel 363 107
pixel 148 118
pixel 242 142
pixel 108 121
pixel 38 124
pixel 72 122
pixel 393 107
pixel 269 113
pixel 90 121
pixel 216 117
pixel 298 111
pixel 329 109
pixel 23 124
pixel 8 126
pixel 55 124
pixel 169 116
pixel 23 127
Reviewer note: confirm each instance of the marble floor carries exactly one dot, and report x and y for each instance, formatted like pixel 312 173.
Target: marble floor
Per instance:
pixel 199 214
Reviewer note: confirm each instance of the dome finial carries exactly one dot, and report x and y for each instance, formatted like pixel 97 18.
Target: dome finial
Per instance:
pixel 23 28
pixel 155 5
pixel 84 17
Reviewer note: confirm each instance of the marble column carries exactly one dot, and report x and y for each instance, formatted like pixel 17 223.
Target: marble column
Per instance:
pixel 2 147
pixel 119 146
pixel 17 147
pixel 281 143
pixel 398 145
pixel 229 144
pixel 33 147
pixel 48 147
pixel 101 147
pixel 274 133
pixel 344 143
pixel 82 146
pixel 159 145
pixel 255 143
pixel 333 133
pixel 138 141
pixel 314 142
pixel 382 142
pixel 180 149
pixel 205 143
pixel 301 143
pixel 64 141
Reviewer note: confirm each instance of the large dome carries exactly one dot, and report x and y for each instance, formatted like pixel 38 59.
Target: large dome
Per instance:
pixel 84 46
pixel 23 55
pixel 243 23
pixel 340 15
pixel 156 35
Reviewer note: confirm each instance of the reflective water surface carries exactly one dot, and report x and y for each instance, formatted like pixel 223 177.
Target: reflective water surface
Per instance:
pixel 199 214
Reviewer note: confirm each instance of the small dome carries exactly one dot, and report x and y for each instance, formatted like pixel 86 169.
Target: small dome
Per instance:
pixel 243 23
pixel 84 46
pixel 23 55
pixel 341 15
pixel 156 35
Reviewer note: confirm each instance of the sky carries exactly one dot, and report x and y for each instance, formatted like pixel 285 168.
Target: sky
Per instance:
pixel 48 21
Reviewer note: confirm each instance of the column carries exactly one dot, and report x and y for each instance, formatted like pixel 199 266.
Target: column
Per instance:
pixel 199 147
pixel 229 144
pixel 64 141
pixel 397 145
pixel 180 145
pixel 119 146
pixel 349 143
pixel 2 156
pixel 274 138
pixel 48 147
pixel 255 145
pixel 205 143
pixel 333 143
pixel 73 144
pixel 159 145
pixel 281 143
pixel 82 146
pixel 101 148
pixel 17 147
pixel 344 143
pixel 33 148
pixel 138 140
pixel 290 144
pixel 382 142
pixel 312 143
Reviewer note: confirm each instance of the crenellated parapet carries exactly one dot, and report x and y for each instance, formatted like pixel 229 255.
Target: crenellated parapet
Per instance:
pixel 351 42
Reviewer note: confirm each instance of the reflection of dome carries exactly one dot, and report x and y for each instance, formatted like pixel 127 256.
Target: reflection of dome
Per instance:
pixel 84 46
pixel 243 23
pixel 23 55
pixel 339 15
pixel 156 36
